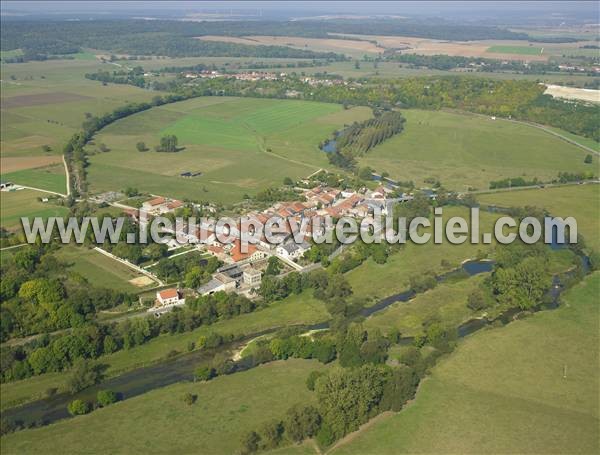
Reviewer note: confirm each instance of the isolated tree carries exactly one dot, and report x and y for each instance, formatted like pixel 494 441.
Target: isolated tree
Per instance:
pixel 288 181
pixel 141 147
pixel 103 147
pixel 106 397
pixel 46 148
pixel 168 144
pixel 189 398
pixel 588 159
pixel 78 407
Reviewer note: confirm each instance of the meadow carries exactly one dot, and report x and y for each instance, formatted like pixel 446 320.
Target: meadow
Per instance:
pixel 493 395
pixel 25 203
pixel 448 301
pixel 160 421
pixel 240 145
pixel 51 178
pixel 578 201
pixel 99 270
pixel 463 150
pixel 521 50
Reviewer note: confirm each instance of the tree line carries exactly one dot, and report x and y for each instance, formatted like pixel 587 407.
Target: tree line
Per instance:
pixel 360 137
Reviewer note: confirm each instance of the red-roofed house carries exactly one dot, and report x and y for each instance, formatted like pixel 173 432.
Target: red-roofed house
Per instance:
pixel 167 299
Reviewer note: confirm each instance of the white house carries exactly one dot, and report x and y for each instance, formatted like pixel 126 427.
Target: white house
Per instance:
pixel 166 300
pixel 292 250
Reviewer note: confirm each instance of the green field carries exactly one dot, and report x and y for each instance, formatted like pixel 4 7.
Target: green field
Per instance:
pixel 99 270
pixel 51 178
pixel 447 300
pixel 504 390
pixel 241 146
pixel 470 151
pixel 522 50
pixel 16 204
pixel 160 422
pixel 579 201
pixel 44 103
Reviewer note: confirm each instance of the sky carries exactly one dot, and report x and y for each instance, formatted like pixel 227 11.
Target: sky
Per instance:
pixel 466 10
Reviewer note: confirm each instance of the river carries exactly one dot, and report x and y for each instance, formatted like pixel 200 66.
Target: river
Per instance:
pixel 180 368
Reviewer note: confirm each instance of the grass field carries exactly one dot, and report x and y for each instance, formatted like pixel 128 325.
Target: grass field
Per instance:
pixel 521 50
pixel 160 422
pixel 16 204
pixel 468 150
pixel 504 390
pixel 99 270
pixel 51 178
pixel 44 103
pixel 579 201
pixel 240 146
pixel 447 300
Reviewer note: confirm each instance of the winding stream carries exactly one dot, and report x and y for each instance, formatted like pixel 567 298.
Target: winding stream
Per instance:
pixel 177 369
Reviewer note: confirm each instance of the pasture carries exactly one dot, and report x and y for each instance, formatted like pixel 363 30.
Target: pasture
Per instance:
pixel 578 201
pixel 225 409
pixel 462 151
pixel 529 387
pixel 240 145
pixel 448 301
pixel 25 203
pixel 51 178
pixel 100 270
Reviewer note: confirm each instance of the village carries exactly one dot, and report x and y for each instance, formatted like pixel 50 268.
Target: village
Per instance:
pixel 243 264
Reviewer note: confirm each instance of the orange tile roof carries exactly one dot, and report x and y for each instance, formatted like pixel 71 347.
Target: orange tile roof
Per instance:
pixel 175 204
pixel 168 293
pixel 236 251
pixel 156 201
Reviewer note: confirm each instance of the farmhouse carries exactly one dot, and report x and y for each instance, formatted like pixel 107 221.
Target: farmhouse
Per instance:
pixel 160 205
pixel 166 300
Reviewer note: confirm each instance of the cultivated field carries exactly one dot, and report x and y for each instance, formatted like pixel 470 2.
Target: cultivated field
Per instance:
pixel 580 201
pixel 470 151
pixel 520 50
pixel 572 93
pixel 44 103
pixel 225 409
pixel 240 146
pixel 24 203
pixel 529 387
pixel 355 48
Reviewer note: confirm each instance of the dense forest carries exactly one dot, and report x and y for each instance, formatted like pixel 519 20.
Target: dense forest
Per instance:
pixel 146 36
